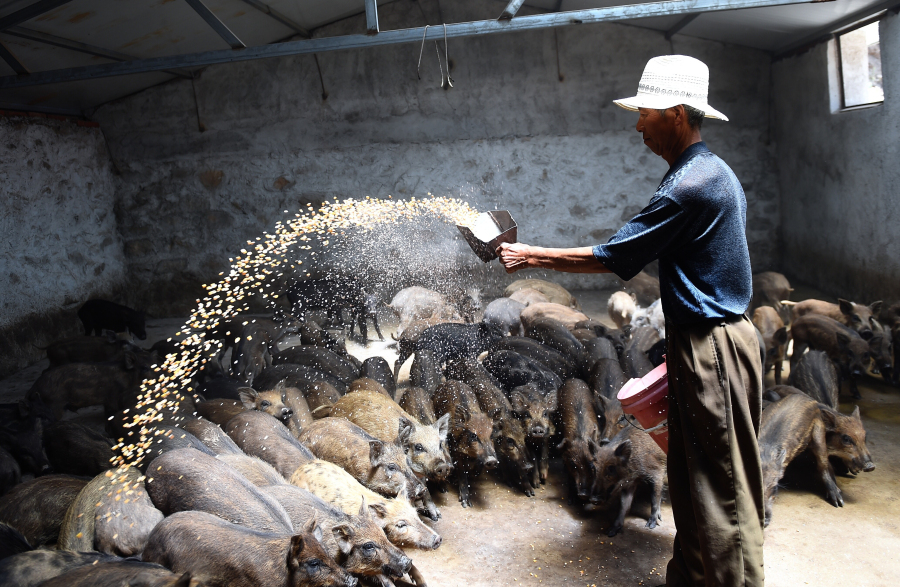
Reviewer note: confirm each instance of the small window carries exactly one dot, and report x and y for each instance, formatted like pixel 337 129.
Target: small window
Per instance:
pixel 859 66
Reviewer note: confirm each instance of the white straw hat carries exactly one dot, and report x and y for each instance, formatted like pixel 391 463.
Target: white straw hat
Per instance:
pixel 671 80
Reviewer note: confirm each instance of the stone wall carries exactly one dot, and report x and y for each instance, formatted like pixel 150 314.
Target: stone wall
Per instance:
pixel 60 245
pixel 839 173
pixel 529 126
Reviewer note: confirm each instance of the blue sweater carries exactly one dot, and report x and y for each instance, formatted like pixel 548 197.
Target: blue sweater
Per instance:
pixel 696 226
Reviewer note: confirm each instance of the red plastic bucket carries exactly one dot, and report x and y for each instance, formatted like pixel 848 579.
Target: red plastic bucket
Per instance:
pixel 647 399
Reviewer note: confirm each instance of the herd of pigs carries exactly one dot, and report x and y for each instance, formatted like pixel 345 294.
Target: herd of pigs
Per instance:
pixel 294 463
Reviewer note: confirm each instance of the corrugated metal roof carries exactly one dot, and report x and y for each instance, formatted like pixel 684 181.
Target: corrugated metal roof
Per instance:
pixel 171 27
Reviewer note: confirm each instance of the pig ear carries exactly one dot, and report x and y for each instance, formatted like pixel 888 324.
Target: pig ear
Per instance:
pixel 312 527
pixel 781 335
pixel 405 432
pixel 855 414
pixel 875 307
pixel 843 340
pixel 626 330
pixel 248 397
pixel 296 546
pixel 376 450
pixel 552 400
pixel 846 306
pixel 443 426
pixel 183 581
pixel 379 510
pixel 461 415
pixel 828 417
pixel 403 495
pixel 280 386
pixel 782 454
pixel 623 451
pixel 593 447
pixel 363 509
pixel 517 401
pixel 343 533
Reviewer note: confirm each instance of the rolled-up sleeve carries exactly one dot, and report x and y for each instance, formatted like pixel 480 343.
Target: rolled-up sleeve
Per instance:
pixel 656 228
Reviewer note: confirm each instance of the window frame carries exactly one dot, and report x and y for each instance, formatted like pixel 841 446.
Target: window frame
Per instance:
pixel 836 36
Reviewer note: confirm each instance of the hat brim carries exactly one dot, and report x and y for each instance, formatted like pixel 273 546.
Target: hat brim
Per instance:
pixel 663 102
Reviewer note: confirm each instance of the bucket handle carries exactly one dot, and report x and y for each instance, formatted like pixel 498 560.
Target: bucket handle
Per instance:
pixel 662 424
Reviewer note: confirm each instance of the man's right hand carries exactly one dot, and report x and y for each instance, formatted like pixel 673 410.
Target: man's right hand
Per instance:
pixel 515 256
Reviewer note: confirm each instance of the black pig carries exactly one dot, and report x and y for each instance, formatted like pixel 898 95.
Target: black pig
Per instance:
pixel 100 315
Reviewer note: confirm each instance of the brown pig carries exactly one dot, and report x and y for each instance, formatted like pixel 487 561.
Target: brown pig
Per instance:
pixel 610 416
pixel 356 542
pixel 842 344
pixel 880 348
pixel 856 316
pixel 770 289
pixel 252 353
pixel 568 317
pixel 396 516
pixel 629 458
pixel 262 436
pixel 211 435
pixel 320 396
pixel 775 335
pixel 798 423
pixel 380 466
pixel 471 434
pixel 220 553
pixel 366 384
pixel 256 471
pixel 186 479
pixel 122 572
pixel 535 409
pixel 581 438
pixel 220 411
pixel 37 508
pixel 817 377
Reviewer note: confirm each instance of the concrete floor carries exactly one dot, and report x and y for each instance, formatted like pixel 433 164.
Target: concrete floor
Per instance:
pixel 507 538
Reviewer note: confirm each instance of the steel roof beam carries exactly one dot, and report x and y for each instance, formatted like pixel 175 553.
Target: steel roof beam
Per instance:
pixel 371 17
pixel 217 25
pixel 274 14
pixel 393 37
pixel 680 25
pixel 78 46
pixel 511 9
pixel 825 32
pixel 11 60
pixel 29 12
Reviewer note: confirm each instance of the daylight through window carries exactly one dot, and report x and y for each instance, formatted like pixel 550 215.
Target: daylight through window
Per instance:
pixel 859 52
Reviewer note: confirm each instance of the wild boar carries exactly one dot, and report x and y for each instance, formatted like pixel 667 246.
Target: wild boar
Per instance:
pixel 256 471
pixel 644 286
pixel 320 359
pixel 513 370
pixel 33 568
pixel 621 307
pixel 88 349
pixel 122 572
pixel 554 293
pixel 10 472
pixel 251 354
pixel 100 315
pixel 204 546
pixel 37 508
pixel 334 294
pixel 211 435
pixel 606 378
pixel 449 341
pixel 320 397
pixel 610 417
pixel 380 466
pixel 652 316
pixel 366 384
pixel 635 361
pixel 396 516
pixel 356 542
pixel 769 289
pixel 581 438
pixel 528 296
pixel 186 479
pixel 294 376
pixel 880 349
pixel 850 314
pixel 842 344
pixel 629 458
pixel 471 434
pixel 418 303
pixel 818 377
pixel 798 423
pixel 379 369
pixel 775 336
pixel 558 312
pixel 168 438
pixel 548 356
pixel 262 436
pixel 598 348
pixel 385 420
pixel 75 449
pixel 554 334
pixel 424 372
pixel 76 533
pixel 79 385
pixel 506 314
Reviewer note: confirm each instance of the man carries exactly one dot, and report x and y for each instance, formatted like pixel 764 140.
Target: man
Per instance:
pixel 695 225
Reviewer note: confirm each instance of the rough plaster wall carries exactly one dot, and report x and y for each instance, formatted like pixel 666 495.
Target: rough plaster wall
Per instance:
pixel 839 177
pixel 60 244
pixel 559 155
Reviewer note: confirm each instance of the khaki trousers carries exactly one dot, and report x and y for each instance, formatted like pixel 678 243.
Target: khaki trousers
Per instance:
pixel 715 479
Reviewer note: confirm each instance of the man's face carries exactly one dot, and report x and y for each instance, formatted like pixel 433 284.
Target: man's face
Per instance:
pixel 658 129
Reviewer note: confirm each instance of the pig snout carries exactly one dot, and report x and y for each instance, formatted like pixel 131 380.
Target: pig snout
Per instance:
pixel 286 413
pixel 868 465
pixel 399 568
pixel 436 542
pixel 537 431
pixel 490 462
pixel 442 470
pixel 350 581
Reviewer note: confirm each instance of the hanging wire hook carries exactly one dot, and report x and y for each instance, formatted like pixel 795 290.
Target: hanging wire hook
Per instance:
pixel 421 50
pixel 437 52
pixel 446 59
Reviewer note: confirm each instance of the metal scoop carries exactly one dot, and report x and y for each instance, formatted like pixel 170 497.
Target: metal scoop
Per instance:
pixel 488 231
